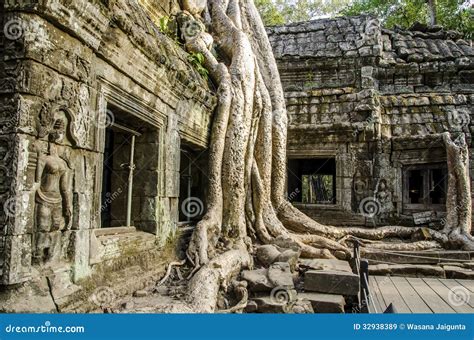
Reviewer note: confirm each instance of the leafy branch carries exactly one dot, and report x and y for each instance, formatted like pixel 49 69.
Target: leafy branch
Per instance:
pixel 197 60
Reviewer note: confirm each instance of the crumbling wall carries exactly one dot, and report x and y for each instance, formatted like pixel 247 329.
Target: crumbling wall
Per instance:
pixel 65 65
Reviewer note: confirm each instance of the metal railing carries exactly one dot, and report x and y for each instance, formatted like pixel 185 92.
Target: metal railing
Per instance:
pixel 366 301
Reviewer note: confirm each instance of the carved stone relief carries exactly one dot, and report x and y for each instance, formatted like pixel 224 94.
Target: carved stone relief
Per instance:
pixel 53 197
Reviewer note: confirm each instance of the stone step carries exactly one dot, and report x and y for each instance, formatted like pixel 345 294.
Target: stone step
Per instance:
pixel 264 280
pixel 414 270
pixel 456 272
pixel 332 216
pixel 415 257
pixel 326 264
pixel 324 303
pixel 331 282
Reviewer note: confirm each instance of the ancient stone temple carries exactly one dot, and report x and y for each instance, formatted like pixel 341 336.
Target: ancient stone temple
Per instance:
pixel 98 111
pixel 367 107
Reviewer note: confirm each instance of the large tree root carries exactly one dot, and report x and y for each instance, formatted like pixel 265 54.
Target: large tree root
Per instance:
pixel 247 162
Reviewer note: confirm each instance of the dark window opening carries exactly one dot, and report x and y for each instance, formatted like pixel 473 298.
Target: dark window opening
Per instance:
pixel 115 178
pixel 130 174
pixel 415 179
pixel 425 186
pixel 192 183
pixel 312 181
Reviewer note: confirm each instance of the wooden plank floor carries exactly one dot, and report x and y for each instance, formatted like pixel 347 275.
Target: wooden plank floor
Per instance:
pixel 422 295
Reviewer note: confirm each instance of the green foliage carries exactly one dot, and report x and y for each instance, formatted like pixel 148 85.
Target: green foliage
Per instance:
pixel 164 22
pixel 451 14
pixel 167 26
pixel 198 59
pixel 279 12
pixel 271 16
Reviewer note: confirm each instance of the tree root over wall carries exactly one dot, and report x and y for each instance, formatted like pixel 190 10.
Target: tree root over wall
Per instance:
pixel 247 162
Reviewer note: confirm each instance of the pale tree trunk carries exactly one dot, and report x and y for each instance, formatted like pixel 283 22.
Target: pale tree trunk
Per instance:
pixel 432 11
pixel 247 159
pixel 458 205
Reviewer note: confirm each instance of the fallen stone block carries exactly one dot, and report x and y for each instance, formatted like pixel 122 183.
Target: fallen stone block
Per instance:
pixel 266 304
pixel 301 306
pixel 251 307
pixel 326 264
pixel 454 272
pixel 324 303
pixel 140 293
pixel 331 282
pixel 280 300
pixel 290 256
pixel 257 280
pixel 267 254
pixel 279 275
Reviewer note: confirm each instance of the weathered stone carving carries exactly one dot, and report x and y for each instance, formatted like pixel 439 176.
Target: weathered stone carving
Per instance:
pixel 3 169
pixel 384 197
pixel 53 202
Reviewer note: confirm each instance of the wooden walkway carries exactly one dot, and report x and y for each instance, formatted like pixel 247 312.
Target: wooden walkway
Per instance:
pixel 422 295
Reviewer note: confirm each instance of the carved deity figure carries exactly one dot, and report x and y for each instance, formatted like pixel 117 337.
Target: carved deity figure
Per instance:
pixel 384 197
pixel 360 185
pixel 53 205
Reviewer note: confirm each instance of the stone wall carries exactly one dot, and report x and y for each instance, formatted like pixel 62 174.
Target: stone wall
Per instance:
pixel 376 100
pixel 70 69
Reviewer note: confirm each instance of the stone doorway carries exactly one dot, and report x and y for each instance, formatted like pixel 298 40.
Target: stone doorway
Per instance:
pixel 312 180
